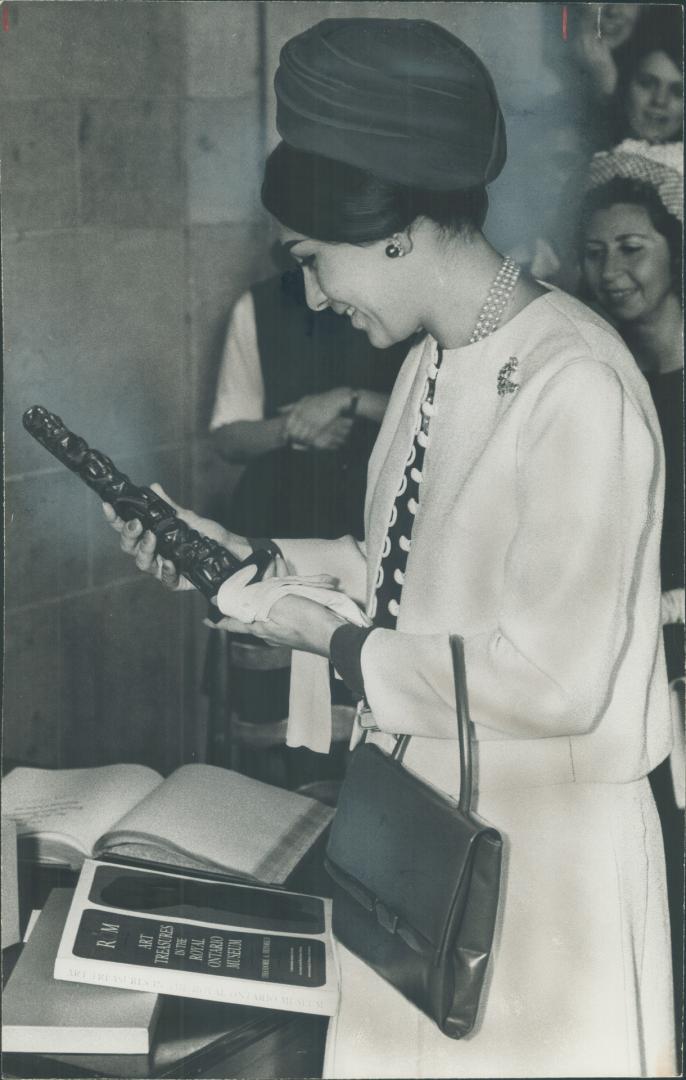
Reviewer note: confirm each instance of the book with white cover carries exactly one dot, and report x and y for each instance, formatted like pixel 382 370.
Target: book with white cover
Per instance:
pixel 201 816
pixel 41 1014
pixel 204 937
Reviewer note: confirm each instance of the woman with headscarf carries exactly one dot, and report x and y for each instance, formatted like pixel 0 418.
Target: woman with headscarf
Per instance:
pixel 629 89
pixel 514 497
pixel 631 255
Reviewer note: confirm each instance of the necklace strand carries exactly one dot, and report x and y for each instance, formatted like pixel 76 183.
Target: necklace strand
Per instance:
pixel 497 299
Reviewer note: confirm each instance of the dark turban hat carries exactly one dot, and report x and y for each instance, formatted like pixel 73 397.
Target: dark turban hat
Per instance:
pixel 401 98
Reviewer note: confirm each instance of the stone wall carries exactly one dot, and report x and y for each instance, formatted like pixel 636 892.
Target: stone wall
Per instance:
pixel 130 162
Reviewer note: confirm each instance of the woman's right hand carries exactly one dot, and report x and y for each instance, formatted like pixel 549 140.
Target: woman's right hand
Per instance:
pixel 141 544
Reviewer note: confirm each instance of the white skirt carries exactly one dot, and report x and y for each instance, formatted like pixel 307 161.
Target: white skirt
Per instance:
pixel 580 979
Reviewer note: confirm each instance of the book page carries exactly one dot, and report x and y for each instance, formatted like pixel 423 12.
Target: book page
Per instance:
pixel 72 807
pixel 224 820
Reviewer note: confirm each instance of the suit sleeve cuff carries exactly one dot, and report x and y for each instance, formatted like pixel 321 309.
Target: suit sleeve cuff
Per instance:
pixel 346 654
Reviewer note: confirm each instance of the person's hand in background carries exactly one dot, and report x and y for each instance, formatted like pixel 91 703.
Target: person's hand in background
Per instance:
pixel 592 49
pixel 335 434
pixel 308 419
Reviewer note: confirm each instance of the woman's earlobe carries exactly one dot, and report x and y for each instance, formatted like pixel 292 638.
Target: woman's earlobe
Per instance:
pixel 399 245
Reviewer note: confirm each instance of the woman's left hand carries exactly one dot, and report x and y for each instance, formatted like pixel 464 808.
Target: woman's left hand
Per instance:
pixel 294 621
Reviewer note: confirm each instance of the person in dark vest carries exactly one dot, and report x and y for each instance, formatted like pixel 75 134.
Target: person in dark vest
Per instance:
pixel 300 398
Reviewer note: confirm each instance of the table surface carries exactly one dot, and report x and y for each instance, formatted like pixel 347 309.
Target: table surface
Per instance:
pixel 199 1039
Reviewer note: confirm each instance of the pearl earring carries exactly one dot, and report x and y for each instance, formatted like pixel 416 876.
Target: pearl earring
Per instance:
pixel 394 248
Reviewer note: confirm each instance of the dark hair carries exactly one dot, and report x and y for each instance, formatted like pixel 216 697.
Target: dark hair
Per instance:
pixel 624 189
pixel 657 30
pixel 339 203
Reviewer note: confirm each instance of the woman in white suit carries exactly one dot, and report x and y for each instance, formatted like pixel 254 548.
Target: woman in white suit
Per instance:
pixel 514 497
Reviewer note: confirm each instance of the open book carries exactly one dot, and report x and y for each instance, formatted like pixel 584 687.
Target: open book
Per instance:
pixel 201 817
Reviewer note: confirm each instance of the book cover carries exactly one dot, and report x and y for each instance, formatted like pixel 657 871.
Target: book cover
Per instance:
pixel 9 904
pixel 176 933
pixel 41 1014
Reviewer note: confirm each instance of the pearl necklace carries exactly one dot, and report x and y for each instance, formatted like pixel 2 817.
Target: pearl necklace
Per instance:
pixel 499 296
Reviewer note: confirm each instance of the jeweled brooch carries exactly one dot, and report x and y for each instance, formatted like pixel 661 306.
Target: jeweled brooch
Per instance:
pixel 505 384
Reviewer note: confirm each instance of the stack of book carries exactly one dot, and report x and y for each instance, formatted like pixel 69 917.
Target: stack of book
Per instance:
pixel 177 904
pixel 9 884
pixel 43 1015
pixel 199 935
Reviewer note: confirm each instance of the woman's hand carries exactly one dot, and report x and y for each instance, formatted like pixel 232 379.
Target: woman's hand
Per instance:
pixel 593 53
pixel 307 419
pixel 293 621
pixel 141 544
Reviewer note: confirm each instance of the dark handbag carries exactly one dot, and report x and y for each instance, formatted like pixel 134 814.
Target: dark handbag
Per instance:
pixel 416 877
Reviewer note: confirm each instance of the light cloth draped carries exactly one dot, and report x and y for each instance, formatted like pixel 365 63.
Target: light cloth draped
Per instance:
pixel 309 711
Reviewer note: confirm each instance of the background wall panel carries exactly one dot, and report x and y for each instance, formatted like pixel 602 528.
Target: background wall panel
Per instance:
pixel 132 144
pixel 130 150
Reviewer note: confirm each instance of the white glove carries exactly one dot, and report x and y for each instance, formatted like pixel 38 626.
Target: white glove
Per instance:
pixel 672 607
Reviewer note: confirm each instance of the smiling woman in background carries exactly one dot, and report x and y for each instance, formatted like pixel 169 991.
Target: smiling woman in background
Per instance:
pixel 649 100
pixel 631 251
pixel 655 98
pixel 622 68
pixel 514 497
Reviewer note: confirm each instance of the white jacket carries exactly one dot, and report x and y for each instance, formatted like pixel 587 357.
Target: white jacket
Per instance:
pixel 537 540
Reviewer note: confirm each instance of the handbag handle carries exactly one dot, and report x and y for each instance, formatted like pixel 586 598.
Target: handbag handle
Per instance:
pixel 463 733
